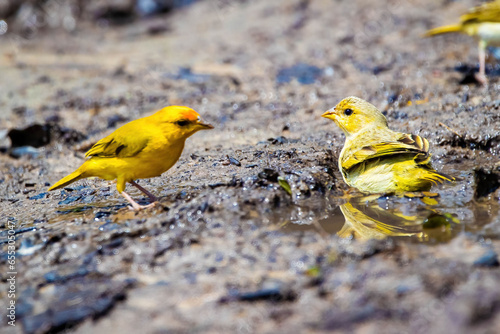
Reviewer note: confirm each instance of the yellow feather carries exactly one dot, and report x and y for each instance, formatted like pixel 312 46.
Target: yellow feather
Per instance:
pixel 376 159
pixel 482 22
pixel 444 30
pixel 143 148
pixel 75 176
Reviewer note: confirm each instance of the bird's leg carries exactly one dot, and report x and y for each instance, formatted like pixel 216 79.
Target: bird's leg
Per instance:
pixel 152 197
pixel 481 76
pixel 136 206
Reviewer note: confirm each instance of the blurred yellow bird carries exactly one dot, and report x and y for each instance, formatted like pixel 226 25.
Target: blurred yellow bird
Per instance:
pixel 144 148
pixel 482 21
pixel 365 219
pixel 376 159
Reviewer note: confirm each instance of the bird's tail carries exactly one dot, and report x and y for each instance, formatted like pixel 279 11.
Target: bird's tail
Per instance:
pixel 75 176
pixel 444 30
pixel 437 177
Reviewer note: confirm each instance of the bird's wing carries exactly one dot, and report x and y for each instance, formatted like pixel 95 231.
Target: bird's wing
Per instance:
pixel 121 144
pixel 403 144
pixel 487 12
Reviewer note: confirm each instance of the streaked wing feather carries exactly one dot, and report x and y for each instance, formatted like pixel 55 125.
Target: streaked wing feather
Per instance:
pixel 403 145
pixel 488 12
pixel 118 146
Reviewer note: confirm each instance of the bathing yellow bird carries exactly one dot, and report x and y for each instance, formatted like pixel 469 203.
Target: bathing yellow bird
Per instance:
pixel 144 148
pixel 482 21
pixel 376 159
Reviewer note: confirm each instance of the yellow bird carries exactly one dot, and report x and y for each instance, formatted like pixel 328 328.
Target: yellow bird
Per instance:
pixel 367 220
pixel 482 21
pixel 144 148
pixel 376 159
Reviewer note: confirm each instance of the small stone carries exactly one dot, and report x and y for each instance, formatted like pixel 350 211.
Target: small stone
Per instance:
pixel 489 259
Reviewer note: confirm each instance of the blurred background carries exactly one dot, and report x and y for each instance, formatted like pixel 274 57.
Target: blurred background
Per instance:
pixel 255 232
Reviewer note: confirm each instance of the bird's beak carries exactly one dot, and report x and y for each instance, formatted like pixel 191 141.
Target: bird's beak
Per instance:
pixel 203 126
pixel 331 114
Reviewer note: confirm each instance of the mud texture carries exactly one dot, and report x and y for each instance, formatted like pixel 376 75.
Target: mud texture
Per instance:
pixel 256 231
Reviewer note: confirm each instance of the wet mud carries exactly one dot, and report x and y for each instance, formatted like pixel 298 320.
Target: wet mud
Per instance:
pixel 255 230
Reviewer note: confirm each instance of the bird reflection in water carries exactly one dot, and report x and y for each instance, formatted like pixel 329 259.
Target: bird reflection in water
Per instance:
pixel 375 217
pixel 413 216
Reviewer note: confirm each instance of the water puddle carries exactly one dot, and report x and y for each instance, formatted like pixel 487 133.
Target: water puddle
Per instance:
pixel 417 217
pixel 105 212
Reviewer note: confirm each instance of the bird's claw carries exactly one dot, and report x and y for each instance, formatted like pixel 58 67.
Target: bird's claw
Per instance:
pixel 481 78
pixel 139 207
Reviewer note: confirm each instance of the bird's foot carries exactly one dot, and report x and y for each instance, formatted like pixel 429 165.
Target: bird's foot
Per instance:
pixel 481 78
pixel 137 207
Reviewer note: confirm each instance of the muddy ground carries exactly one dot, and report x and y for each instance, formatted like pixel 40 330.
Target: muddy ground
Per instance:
pixel 231 248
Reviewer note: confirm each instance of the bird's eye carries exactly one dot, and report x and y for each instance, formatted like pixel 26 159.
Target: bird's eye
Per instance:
pixel 348 112
pixel 182 123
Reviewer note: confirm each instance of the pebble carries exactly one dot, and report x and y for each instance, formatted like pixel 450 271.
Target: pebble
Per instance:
pixel 489 259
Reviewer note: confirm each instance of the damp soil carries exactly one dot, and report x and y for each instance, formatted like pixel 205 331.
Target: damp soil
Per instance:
pixel 255 230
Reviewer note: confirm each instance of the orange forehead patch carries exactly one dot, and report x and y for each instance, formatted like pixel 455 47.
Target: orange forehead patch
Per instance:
pixel 174 113
pixel 188 114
